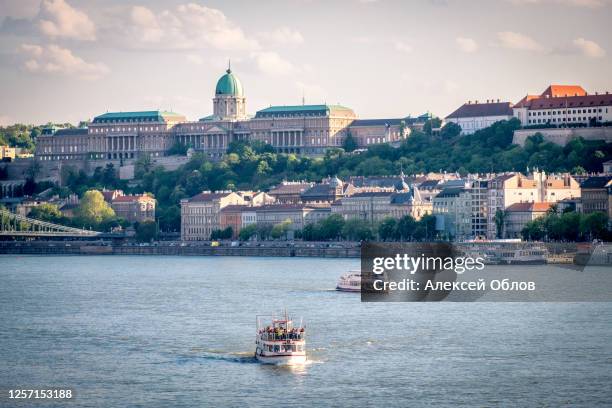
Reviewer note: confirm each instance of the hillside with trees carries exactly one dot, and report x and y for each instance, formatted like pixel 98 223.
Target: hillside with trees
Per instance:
pixel 255 165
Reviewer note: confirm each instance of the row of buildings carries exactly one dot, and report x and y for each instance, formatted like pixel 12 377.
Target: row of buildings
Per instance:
pixel 465 208
pixel 557 107
pixel 301 203
pixel 300 129
pixel 560 112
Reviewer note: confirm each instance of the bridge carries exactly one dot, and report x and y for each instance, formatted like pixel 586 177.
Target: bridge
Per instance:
pixel 15 225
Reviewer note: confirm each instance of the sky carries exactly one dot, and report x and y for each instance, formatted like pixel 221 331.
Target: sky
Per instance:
pixel 70 60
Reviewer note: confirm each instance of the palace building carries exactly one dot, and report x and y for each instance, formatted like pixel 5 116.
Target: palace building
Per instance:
pixel 299 129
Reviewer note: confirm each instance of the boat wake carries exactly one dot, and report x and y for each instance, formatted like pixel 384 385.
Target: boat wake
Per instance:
pixel 241 357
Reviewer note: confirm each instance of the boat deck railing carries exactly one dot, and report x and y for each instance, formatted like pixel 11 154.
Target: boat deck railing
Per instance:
pixel 283 336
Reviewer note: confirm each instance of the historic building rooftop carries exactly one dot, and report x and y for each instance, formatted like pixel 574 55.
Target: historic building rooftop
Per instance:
pixel 471 110
pixel 302 110
pixel 142 116
pixel 229 84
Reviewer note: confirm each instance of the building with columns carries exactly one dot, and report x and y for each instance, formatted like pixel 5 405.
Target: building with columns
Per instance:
pixel 300 129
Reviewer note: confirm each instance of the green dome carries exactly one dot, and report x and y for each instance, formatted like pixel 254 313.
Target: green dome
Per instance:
pixel 229 84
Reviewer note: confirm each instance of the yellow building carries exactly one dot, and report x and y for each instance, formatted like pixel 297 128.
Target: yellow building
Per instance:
pixel 7 152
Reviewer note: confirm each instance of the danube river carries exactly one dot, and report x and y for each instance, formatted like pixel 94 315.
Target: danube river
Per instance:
pixel 179 332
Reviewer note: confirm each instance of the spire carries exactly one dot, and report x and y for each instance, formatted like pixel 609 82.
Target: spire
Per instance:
pixel 229 66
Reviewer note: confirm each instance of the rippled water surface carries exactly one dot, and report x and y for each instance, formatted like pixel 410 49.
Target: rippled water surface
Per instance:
pixel 179 332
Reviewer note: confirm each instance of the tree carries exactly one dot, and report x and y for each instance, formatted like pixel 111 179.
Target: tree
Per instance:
pixel 263 231
pixel 387 230
pixel 500 220
pixel 142 166
pixel 357 230
pixel 93 210
pixel 29 186
pixel 594 225
pixel 146 231
pixel 33 170
pixel 169 218
pixel 427 226
pixel 47 212
pixel 331 227
pixel 247 232
pixel 431 124
pixel 225 233
pixel 533 231
pixel 109 175
pixel 280 230
pixel 349 143
pixel 450 130
pixel 406 227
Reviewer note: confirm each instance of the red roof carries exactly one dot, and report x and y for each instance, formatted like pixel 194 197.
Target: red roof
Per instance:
pixel 470 110
pixel 587 101
pixel 529 207
pixel 554 91
pixel 523 102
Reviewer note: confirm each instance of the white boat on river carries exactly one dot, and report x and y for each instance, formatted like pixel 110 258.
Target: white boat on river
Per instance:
pixel 350 282
pixel 280 342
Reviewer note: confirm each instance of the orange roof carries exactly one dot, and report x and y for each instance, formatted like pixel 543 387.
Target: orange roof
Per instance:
pixel 525 99
pixel 529 207
pixel 554 91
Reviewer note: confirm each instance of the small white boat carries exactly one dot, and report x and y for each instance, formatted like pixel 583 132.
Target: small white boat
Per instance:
pixel 350 282
pixel 280 342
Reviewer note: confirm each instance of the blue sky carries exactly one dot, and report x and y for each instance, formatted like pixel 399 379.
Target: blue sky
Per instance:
pixel 69 60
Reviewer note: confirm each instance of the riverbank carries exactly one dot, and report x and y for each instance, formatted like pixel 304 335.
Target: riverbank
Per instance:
pixel 272 249
pixel 553 253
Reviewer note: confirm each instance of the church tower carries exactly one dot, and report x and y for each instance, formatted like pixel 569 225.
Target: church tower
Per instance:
pixel 229 102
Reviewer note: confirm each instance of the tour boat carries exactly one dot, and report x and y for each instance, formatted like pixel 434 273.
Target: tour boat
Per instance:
pixel 350 282
pixel 509 254
pixel 281 342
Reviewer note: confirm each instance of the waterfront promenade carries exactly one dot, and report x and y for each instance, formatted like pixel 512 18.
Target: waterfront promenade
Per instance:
pixel 273 249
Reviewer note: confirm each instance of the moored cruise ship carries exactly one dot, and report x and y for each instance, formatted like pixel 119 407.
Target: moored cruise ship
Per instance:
pixel 350 282
pixel 280 342
pixel 508 254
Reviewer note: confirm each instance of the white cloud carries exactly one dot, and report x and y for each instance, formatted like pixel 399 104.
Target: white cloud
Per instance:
pixel 59 19
pixel 466 44
pixel 271 63
pixel 518 41
pixel 402 46
pixel 52 59
pixel 283 36
pixel 189 26
pixel 589 48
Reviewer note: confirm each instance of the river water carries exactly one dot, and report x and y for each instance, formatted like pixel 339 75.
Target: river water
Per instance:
pixel 179 332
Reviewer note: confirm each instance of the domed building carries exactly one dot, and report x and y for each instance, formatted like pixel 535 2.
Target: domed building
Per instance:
pixel 299 129
pixel 229 102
